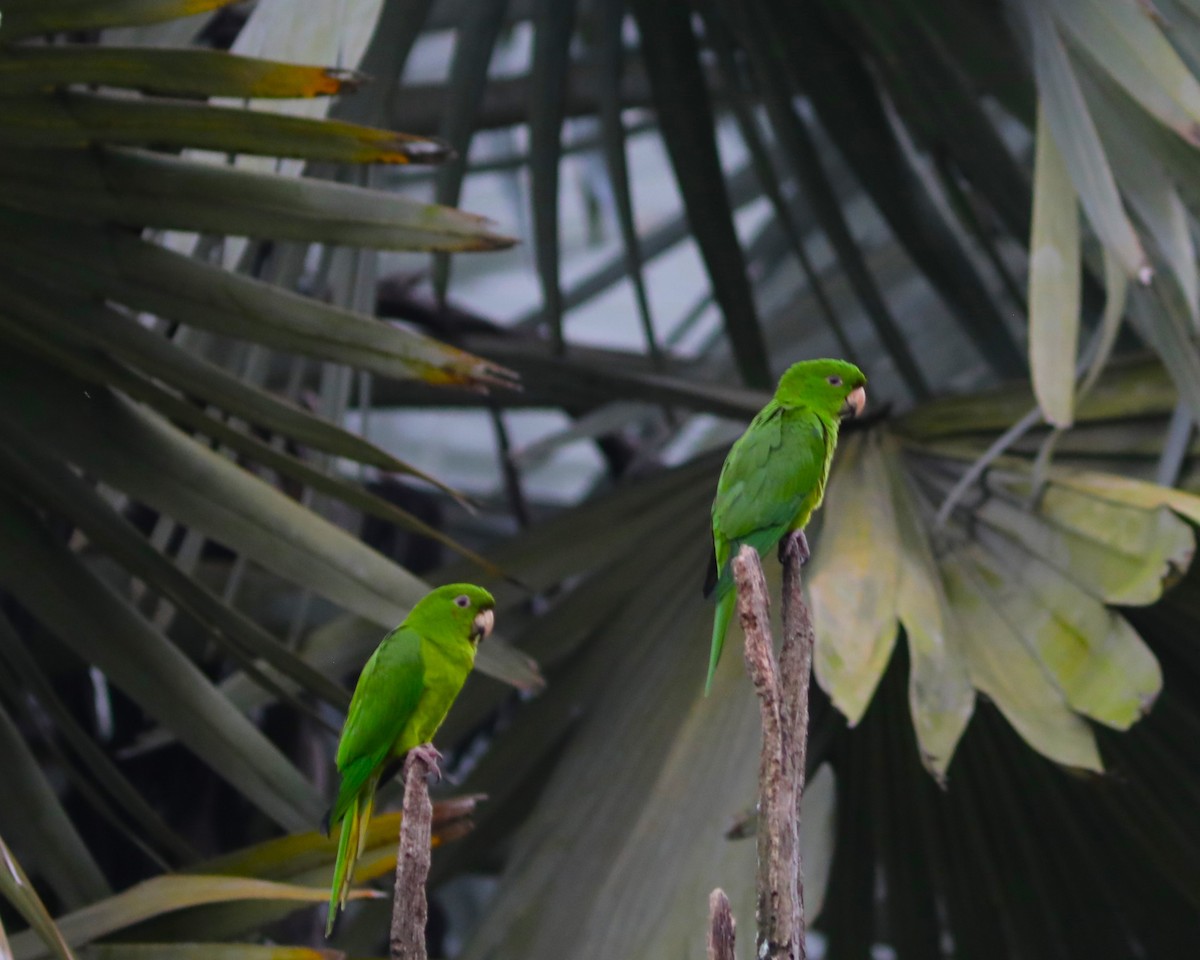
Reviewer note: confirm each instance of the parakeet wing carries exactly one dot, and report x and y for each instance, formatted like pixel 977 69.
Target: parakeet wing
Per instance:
pixel 384 700
pixel 776 465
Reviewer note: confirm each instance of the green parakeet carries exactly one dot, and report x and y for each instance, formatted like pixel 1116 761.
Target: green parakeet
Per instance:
pixel 774 476
pixel 402 697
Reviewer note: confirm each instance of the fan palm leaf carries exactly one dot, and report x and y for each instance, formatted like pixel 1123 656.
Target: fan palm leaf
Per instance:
pixel 972 199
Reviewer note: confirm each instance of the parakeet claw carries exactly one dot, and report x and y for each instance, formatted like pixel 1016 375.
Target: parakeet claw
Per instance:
pixel 795 546
pixel 430 754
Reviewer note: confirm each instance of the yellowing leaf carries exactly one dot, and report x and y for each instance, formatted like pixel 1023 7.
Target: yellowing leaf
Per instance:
pixel 28 17
pixel 174 71
pixel 163 895
pixel 1151 532
pixel 940 694
pixel 17 890
pixel 1097 659
pixel 855 577
pixel 74 119
pixel 323 33
pixel 301 857
pixel 207 951
pixel 1002 667
pixel 1131 492
pixel 1107 571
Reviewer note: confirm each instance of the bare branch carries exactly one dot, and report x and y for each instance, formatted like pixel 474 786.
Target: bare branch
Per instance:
pixel 721 927
pixel 410 910
pixel 795 672
pixel 780 934
pixel 782 688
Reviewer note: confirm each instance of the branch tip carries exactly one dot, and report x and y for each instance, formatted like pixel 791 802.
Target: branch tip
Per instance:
pixel 721 927
pixel 410 909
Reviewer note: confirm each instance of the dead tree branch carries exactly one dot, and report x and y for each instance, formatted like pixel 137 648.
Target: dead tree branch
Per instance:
pixel 795 672
pixel 784 711
pixel 410 910
pixel 720 927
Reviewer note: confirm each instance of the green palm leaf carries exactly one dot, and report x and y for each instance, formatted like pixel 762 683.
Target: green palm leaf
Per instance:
pixel 1005 689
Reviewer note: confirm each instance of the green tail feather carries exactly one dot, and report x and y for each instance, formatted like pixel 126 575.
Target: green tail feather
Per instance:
pixel 351 841
pixel 341 882
pixel 726 603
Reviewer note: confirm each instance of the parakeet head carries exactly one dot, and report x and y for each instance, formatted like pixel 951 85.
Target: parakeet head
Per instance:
pixel 470 608
pixel 829 386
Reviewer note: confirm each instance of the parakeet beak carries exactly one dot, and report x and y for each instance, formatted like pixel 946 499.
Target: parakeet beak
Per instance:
pixel 481 627
pixel 855 403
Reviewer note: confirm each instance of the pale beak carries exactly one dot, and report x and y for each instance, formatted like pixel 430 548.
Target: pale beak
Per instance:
pixel 855 403
pixel 481 627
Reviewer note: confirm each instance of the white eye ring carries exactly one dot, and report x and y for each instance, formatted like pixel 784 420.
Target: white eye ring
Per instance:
pixel 462 600
pixel 834 381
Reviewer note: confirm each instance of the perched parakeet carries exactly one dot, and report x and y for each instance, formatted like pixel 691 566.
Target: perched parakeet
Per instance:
pixel 774 476
pixel 402 697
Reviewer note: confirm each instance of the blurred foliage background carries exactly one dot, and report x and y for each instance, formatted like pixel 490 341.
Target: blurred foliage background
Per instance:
pixel 263 381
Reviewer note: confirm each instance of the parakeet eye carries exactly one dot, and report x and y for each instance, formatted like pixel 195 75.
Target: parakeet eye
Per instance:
pixel 834 381
pixel 462 600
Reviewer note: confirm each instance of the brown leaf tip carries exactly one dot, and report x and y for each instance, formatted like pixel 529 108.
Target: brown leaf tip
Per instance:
pixel 426 150
pixel 365 893
pixel 471 373
pixel 344 81
pixel 492 374
pixel 496 241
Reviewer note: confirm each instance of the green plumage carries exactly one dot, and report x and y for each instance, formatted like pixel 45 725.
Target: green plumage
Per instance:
pixel 774 476
pixel 403 695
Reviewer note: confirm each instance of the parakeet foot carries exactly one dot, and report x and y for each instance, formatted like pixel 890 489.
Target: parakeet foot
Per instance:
pixel 430 754
pixel 794 546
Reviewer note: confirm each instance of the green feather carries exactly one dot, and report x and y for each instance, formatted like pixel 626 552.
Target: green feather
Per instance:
pixel 725 608
pixel 774 476
pixel 402 696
